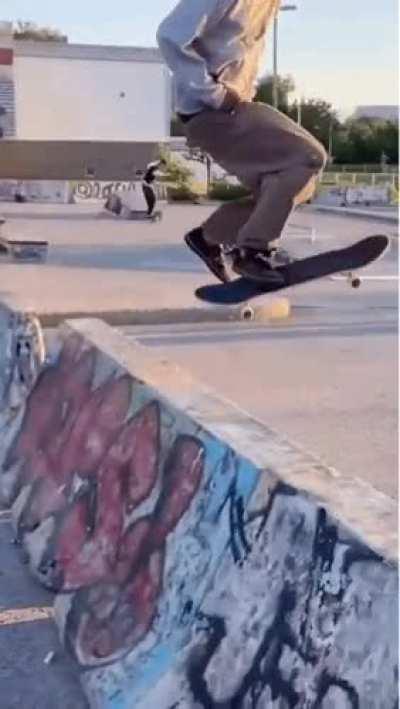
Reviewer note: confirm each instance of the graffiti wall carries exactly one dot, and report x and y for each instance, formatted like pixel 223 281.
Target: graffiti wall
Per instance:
pixel 63 191
pixel 88 190
pixel 41 191
pixel 95 190
pixel 353 196
pixel 185 575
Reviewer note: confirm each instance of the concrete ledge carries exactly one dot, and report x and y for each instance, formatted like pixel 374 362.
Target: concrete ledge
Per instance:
pixel 273 308
pixel 200 559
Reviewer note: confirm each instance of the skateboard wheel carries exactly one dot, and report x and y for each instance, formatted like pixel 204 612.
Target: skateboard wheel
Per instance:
pixel 247 313
pixel 356 282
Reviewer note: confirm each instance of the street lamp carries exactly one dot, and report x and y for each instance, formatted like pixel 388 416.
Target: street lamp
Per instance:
pixel 283 8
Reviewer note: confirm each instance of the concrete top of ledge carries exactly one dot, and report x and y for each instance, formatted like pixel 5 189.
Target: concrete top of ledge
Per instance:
pixel 366 512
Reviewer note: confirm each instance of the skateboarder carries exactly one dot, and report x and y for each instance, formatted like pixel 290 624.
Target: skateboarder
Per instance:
pixel 213 48
pixel 148 184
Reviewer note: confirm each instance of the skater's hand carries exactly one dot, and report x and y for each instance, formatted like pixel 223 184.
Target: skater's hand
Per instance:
pixel 230 102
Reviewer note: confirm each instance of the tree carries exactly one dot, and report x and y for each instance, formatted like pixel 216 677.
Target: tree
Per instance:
pixel 368 139
pixel 29 30
pixel 318 117
pixel 364 140
pixel 265 90
pixel 387 137
pixel 174 171
pixel 342 147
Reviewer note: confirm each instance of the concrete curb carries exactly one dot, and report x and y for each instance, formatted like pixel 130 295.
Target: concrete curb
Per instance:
pixel 185 538
pixel 344 211
pixel 273 309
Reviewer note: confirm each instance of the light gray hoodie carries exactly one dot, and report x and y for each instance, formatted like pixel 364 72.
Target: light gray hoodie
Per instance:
pixel 214 45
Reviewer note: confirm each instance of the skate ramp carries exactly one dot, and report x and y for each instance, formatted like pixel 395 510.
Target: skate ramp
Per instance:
pixel 198 559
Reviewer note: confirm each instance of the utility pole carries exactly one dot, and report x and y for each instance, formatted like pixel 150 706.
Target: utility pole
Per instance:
pixel 275 65
pixel 275 93
pixel 330 146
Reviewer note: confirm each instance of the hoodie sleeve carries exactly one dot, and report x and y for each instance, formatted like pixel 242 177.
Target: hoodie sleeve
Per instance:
pixel 176 38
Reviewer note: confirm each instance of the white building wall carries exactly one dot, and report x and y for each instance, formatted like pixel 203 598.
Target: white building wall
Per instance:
pixel 64 98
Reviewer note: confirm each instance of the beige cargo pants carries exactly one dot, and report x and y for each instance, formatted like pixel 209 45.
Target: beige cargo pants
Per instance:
pixel 271 155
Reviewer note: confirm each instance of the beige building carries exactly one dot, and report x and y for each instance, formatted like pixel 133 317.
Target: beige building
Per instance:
pixel 384 113
pixel 61 91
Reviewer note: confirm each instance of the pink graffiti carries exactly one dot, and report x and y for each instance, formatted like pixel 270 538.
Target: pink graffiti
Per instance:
pixel 130 619
pixel 106 623
pixel 44 410
pixel 70 450
pixel 90 469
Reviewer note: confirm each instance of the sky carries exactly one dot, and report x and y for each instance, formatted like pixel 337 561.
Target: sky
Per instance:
pixel 343 51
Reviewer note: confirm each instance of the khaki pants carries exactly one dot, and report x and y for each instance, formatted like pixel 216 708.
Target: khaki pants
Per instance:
pixel 271 155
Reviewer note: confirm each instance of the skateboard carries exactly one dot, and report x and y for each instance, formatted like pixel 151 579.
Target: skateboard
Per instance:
pixel 143 216
pixel 115 206
pixel 23 250
pixel 346 260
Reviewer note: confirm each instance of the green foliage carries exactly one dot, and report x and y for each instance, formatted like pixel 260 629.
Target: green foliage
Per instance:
pixel 178 179
pixel 355 141
pixel 223 191
pixel 265 91
pixel 182 193
pixel 387 136
pixel 318 117
pixel 30 30
pixel 367 141
pixel 174 172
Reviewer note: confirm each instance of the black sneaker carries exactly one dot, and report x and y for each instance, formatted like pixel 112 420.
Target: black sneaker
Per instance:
pixel 211 254
pixel 257 266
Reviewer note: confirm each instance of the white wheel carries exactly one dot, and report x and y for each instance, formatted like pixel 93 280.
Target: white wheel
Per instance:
pixel 247 313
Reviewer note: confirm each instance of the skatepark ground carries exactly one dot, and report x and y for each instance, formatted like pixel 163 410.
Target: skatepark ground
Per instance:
pixel 336 352
pixel 325 376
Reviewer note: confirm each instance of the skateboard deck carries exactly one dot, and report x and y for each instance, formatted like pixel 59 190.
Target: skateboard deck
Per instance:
pixel 143 216
pixel 116 207
pixel 24 250
pixel 300 271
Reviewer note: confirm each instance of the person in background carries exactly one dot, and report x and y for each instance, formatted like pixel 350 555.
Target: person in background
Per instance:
pixel 148 180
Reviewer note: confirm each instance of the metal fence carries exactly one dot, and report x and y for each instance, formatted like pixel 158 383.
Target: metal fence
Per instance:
pixel 363 167
pixel 369 179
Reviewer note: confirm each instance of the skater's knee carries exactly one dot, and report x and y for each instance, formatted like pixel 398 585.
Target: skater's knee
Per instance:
pixel 320 156
pixel 313 154
pixel 316 156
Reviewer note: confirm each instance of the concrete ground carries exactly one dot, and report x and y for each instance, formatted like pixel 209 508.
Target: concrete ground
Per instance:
pixel 100 263
pixel 326 377
pixel 27 636
pixel 325 380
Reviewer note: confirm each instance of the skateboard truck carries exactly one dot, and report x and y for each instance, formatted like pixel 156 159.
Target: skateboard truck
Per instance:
pixel 350 278
pixel 354 281
pixel 247 313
